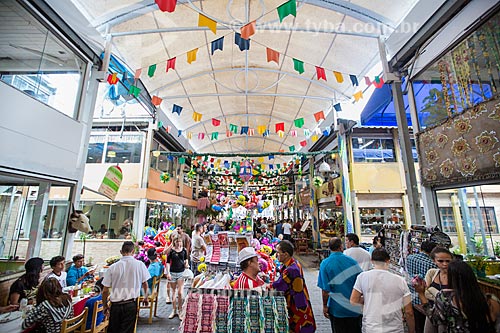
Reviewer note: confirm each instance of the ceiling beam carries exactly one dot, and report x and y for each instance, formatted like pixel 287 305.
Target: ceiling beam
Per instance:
pixel 237 137
pixel 236 115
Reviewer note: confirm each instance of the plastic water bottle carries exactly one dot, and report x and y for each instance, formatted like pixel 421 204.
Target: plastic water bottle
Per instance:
pixel 23 304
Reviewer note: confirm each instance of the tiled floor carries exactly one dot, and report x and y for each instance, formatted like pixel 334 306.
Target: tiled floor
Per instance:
pixel 162 324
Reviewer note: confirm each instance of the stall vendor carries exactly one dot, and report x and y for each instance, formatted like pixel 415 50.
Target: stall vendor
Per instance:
pixel 78 273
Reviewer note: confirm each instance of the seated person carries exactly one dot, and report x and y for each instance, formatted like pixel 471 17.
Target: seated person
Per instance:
pixel 155 267
pixel 78 273
pixel 27 282
pixel 58 273
pixel 102 229
pixel 90 303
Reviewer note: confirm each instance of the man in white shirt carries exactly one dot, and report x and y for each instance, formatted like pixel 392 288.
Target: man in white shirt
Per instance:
pixel 58 273
pixel 383 295
pixel 287 230
pixel 357 253
pixel 125 278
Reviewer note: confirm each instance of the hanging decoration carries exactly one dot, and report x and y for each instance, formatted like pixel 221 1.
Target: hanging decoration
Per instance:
pixel 170 64
pixel 112 78
pixel 248 30
pixel 337 107
pixel 166 5
pixel 244 130
pixel 204 21
pixel 177 109
pixel 272 55
pixel 151 70
pixel 156 101
pixel 215 136
pixel 288 8
pixel 317 181
pixel 218 44
pixel 261 129
pixel 338 77
pixel 191 55
pixel 246 171
pixel 320 73
pixel 243 44
pixel 191 174
pixel 299 122
pixel 354 80
pixel 164 177
pixel 138 73
pixel 233 128
pixel 298 65
pixel 280 127
pixel 197 116
pixel 134 91
pixel 357 96
pixel 215 122
pixel 319 116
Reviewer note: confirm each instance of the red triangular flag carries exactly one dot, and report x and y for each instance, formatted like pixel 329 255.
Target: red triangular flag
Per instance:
pixel 215 122
pixel 303 143
pixel 280 127
pixel 272 55
pixel 319 115
pixel 171 63
pixel 166 5
pixel 320 73
pixel 248 30
pixel 112 78
pixel 378 84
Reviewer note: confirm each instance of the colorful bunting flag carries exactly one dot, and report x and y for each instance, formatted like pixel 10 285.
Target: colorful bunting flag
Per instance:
pixel 293 133
pixel 112 78
pixel 197 116
pixel 354 80
pixel 326 131
pixel 251 131
pixel 182 160
pixel 338 77
pixel 179 133
pixel 215 122
pixel 171 63
pixel 138 73
pixel 303 143
pixel 337 107
pixel 166 5
pixel 307 133
pixel 271 167
pixel 260 159
pixel 367 81
pixel 229 134
pixel 291 148
pixel 357 96
pixel 233 128
pixel 272 55
pixel 280 127
pixel 299 122
pixel 156 100
pixel 248 30
pixel 204 21
pixel 319 115
pixel 288 8
pixel 281 134
pixel 189 135
pixel 201 136
pixel 379 82
pixel 314 138
pixel 320 73
pixel 266 133
pixel 298 65
pixel 177 109
pixel 244 130
pixel 226 164
pixel 243 44
pixel 218 44
pixel 151 70
pixel 134 91
pixel 271 157
pixel 191 55
pixel 261 129
pixel 168 129
pixel 317 131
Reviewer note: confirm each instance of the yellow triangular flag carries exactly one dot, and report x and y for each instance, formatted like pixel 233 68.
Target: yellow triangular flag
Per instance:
pixel 357 96
pixel 281 134
pixel 338 76
pixel 191 55
pixel 190 135
pixel 196 116
pixel 314 138
pixel 261 129
pixel 261 159
pixel 204 21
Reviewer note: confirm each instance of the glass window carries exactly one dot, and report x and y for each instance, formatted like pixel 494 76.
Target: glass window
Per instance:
pixel 447 219
pixel 125 149
pixel 110 220
pixel 488 213
pixel 40 65
pixel 373 150
pixel 462 78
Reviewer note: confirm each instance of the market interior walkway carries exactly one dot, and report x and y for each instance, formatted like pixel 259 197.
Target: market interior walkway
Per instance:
pixel 161 323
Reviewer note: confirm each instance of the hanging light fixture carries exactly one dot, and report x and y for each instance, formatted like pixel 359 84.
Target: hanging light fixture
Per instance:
pixel 205 183
pixel 324 167
pixel 156 153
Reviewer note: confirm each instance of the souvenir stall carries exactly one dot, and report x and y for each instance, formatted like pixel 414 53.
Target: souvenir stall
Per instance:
pixel 400 243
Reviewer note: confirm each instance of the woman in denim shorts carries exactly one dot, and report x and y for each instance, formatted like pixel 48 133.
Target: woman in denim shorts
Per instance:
pixel 177 262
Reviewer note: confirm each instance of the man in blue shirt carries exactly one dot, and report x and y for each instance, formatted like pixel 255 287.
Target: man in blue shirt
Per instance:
pixel 78 273
pixel 90 303
pixel 419 264
pixel 337 275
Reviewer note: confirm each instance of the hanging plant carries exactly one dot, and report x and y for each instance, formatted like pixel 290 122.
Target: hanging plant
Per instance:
pixel 165 177
pixel 191 174
pixel 317 181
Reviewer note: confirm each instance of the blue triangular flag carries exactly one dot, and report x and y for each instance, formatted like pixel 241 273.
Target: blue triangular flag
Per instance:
pixel 337 107
pixel 179 133
pixel 354 80
pixel 271 167
pixel 266 133
pixel 271 157
pixel 244 130
pixel 170 157
pixel 218 44
pixel 177 109
pixel 326 132
pixel 244 44
pixel 226 164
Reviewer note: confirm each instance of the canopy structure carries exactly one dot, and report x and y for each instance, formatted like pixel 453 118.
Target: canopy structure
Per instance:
pixel 244 76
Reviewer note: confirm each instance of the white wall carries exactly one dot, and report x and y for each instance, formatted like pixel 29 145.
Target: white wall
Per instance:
pixel 36 138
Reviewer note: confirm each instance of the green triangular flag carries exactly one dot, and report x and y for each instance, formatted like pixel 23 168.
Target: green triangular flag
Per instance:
pixel 278 166
pixel 182 160
pixel 215 135
pixel 298 65
pixel 291 148
pixel 286 9
pixel 377 79
pixel 133 90
pixel 151 70
pixel 299 122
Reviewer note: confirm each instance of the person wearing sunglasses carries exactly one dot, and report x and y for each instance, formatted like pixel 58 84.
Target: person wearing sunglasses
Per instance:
pixel 436 279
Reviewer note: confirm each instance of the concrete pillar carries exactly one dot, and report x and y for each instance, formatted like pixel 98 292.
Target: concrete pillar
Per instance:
pixel 39 216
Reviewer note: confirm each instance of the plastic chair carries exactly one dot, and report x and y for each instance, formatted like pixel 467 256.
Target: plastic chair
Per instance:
pixel 153 299
pixel 75 324
pixel 103 325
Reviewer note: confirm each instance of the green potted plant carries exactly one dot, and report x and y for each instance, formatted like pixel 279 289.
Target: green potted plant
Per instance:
pixel 478 264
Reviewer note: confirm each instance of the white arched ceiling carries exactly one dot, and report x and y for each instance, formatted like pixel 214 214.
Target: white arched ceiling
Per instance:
pixel 241 87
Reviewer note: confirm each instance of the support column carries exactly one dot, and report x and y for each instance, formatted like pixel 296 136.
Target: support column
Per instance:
pixel 140 217
pixel 314 208
pixel 458 223
pixel 39 216
pixel 464 208
pixel 346 184
pixel 357 219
